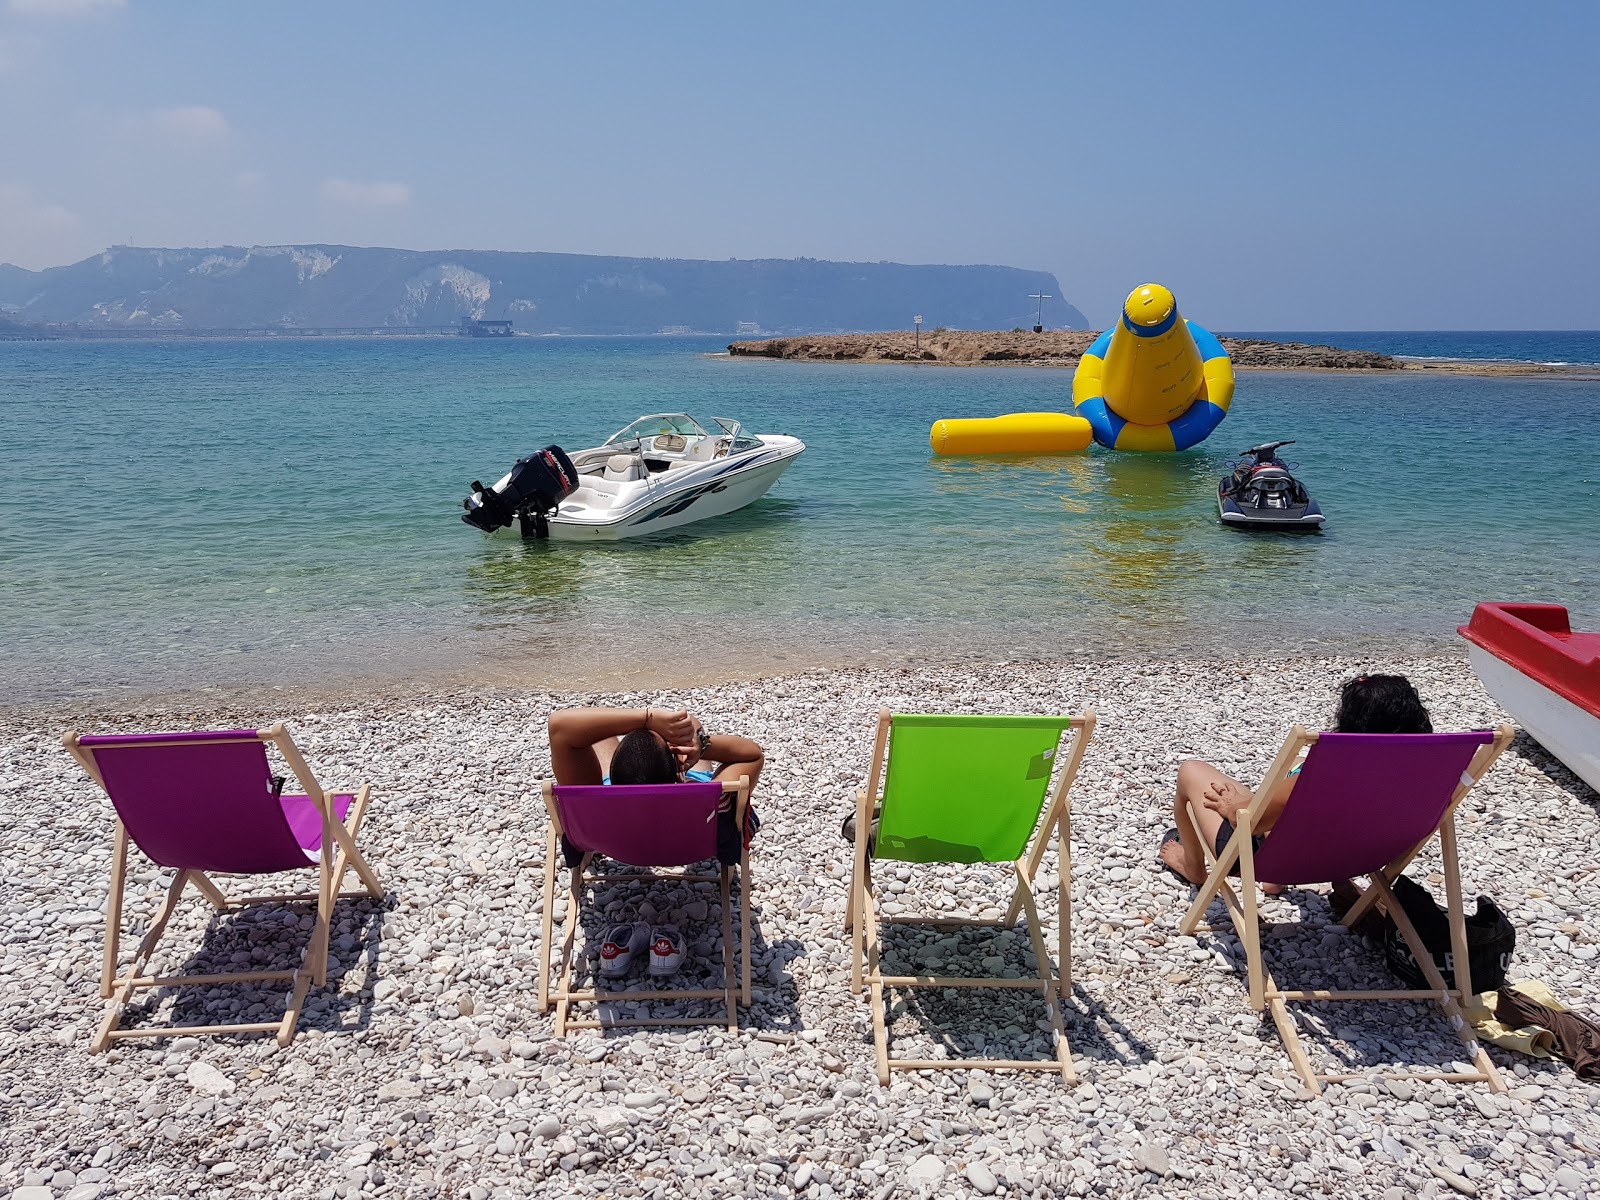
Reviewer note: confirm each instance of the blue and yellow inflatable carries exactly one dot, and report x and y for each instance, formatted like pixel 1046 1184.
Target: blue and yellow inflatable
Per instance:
pixel 1154 381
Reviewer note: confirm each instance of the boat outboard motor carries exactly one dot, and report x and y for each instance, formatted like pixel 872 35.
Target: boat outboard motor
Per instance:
pixel 533 489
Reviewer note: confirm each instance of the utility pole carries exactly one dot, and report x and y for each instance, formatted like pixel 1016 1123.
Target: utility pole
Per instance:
pixel 916 322
pixel 1041 297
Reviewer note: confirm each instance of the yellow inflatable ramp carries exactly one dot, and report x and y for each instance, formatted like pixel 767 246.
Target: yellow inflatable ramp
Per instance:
pixel 1014 433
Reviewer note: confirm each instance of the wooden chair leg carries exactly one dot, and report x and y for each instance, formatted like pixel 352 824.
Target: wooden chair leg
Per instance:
pixel 575 900
pixel 114 895
pixel 322 927
pixel 727 950
pixel 861 908
pixel 744 926
pixel 347 846
pixel 552 850
pixel 1447 1000
pixel 1460 955
pixel 1281 1017
pixel 1053 1000
pixel 202 884
pixel 866 915
pixel 1250 928
pixel 1064 898
pixel 124 990
pixel 297 995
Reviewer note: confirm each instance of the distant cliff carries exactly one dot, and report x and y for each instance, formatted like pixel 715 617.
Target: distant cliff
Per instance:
pixel 320 287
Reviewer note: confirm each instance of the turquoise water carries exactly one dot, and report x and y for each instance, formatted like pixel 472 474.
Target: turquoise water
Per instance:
pixel 180 514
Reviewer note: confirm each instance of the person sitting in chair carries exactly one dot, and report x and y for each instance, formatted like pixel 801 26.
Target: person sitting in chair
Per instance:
pixel 1367 704
pixel 650 745
pixel 626 746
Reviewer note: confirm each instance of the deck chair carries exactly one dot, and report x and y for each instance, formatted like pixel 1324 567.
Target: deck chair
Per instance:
pixel 205 803
pixel 1364 804
pixel 645 825
pixel 967 789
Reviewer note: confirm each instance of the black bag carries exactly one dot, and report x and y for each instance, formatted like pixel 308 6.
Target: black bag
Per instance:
pixel 1491 938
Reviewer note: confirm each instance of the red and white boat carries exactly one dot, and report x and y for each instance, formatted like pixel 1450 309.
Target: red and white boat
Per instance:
pixel 1544 675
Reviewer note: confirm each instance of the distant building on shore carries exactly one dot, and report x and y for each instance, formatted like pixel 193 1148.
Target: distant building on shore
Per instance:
pixel 472 328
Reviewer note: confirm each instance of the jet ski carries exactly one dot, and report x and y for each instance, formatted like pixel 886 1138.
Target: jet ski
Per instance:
pixel 1262 494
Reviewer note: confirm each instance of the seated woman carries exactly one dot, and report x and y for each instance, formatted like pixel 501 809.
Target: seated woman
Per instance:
pixel 650 745
pixel 1367 704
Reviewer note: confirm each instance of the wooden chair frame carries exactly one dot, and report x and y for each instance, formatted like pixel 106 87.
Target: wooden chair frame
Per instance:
pixel 1265 994
pixel 862 919
pixel 564 995
pixel 313 968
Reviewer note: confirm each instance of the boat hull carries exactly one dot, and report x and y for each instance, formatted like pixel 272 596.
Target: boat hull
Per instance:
pixel 712 494
pixel 1570 733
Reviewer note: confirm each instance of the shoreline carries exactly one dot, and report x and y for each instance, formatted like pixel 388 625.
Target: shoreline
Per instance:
pixel 464 681
pixel 425 1066
pixel 1064 348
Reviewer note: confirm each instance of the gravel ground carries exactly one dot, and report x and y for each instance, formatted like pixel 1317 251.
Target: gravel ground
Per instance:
pixel 424 1068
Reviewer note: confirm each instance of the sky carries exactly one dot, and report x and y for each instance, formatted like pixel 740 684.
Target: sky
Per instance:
pixel 1279 166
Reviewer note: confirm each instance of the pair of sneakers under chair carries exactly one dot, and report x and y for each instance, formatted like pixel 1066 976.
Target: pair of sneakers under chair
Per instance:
pixel 626 942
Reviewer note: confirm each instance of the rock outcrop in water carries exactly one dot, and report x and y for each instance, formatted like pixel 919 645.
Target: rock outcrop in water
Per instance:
pixel 1052 349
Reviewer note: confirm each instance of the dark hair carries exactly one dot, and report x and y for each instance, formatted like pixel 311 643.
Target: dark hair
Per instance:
pixel 642 757
pixel 1381 704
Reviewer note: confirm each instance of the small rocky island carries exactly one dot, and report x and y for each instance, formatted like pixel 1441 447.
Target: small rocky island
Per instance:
pixel 1056 348
pixel 1063 348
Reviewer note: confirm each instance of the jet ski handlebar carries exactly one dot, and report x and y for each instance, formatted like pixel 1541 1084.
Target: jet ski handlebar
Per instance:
pixel 1266 448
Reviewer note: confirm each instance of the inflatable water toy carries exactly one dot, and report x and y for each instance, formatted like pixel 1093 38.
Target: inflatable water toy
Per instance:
pixel 1154 381
pixel 1014 433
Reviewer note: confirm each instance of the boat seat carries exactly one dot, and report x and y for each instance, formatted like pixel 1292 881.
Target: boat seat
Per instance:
pixel 707 448
pixel 622 468
pixel 669 441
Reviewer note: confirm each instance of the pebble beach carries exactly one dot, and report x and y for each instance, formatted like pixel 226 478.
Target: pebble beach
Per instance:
pixel 425 1068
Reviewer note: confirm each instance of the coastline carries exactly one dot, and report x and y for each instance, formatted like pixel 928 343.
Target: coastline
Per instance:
pixel 1064 348
pixel 427 1061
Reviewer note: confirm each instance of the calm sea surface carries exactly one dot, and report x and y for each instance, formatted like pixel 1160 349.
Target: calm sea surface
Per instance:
pixel 213 514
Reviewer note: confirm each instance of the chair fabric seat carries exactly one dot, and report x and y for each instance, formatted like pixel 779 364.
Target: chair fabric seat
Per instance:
pixel 306 823
pixel 1361 801
pixel 659 825
pixel 965 788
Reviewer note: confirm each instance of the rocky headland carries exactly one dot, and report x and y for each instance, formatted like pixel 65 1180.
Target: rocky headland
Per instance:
pixel 1063 348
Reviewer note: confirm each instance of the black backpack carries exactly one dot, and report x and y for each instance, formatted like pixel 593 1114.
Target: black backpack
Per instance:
pixel 1491 938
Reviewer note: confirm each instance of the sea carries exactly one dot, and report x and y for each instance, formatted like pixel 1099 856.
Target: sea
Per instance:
pixel 222 517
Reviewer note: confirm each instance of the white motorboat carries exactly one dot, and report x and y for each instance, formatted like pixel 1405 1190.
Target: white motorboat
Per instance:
pixel 1545 675
pixel 660 472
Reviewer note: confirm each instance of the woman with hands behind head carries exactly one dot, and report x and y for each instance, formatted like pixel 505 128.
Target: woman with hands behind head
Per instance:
pixel 645 745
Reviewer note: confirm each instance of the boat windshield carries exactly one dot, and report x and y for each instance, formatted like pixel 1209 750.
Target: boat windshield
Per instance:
pixel 657 424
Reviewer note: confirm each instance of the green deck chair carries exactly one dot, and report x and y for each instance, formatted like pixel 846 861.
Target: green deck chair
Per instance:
pixel 967 789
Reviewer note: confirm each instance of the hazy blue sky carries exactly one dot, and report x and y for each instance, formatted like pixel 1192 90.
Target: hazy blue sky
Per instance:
pixel 1280 166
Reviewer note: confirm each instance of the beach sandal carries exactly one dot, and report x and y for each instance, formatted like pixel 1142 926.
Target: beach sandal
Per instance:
pixel 1171 835
pixel 848 832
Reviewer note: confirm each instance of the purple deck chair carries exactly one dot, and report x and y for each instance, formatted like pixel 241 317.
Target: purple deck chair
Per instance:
pixel 208 802
pixel 648 825
pixel 1364 804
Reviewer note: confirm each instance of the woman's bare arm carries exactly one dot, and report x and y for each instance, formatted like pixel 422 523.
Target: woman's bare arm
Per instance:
pixel 574 731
